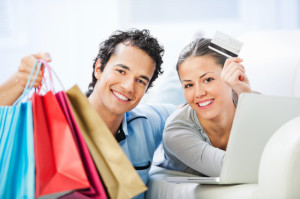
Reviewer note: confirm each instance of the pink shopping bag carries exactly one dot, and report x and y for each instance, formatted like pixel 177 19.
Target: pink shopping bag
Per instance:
pixel 96 189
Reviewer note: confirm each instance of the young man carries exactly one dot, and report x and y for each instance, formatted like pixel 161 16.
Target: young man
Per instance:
pixel 125 67
pixel 127 64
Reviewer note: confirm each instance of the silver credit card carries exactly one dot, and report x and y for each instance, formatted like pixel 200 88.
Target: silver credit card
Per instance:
pixel 225 45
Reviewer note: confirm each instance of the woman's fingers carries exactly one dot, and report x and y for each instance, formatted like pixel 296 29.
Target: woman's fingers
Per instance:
pixel 235 77
pixel 232 67
pixel 227 73
pixel 231 60
pixel 233 73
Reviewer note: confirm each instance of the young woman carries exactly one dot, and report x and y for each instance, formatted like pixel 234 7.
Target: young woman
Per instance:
pixel 196 135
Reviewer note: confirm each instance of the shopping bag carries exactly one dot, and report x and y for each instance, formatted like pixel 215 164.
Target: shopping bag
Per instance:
pixel 96 191
pixel 118 174
pixel 16 151
pixel 59 168
pixel 16 146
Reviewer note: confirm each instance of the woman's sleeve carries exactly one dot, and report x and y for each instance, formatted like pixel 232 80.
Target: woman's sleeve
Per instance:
pixel 188 146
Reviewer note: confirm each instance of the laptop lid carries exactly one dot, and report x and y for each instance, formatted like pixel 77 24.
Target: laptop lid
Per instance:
pixel 256 119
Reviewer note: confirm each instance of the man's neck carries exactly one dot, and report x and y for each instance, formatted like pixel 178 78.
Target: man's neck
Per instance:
pixel 111 120
pixel 113 123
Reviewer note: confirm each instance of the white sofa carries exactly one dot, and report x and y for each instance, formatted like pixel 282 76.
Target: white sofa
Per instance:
pixel 272 61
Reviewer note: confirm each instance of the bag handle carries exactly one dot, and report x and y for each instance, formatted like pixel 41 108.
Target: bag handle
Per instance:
pixel 28 87
pixel 51 82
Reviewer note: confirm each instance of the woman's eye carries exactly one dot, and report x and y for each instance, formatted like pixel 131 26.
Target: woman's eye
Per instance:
pixel 141 82
pixel 209 79
pixel 188 85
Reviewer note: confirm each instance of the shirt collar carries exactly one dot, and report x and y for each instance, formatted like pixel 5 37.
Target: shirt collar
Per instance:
pixel 133 114
pixel 120 136
pixel 130 116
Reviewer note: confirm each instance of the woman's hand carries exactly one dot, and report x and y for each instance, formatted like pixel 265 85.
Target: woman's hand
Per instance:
pixel 233 73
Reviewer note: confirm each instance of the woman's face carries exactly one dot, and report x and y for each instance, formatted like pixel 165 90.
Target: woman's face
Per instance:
pixel 204 89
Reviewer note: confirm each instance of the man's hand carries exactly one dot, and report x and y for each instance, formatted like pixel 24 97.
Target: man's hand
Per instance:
pixel 12 89
pixel 26 66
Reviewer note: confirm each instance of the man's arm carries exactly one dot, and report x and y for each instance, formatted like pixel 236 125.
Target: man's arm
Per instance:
pixel 12 89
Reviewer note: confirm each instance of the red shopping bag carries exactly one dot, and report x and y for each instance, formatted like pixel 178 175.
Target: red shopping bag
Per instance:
pixel 59 168
pixel 96 190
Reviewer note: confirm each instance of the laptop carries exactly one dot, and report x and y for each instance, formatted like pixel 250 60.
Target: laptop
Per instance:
pixel 256 119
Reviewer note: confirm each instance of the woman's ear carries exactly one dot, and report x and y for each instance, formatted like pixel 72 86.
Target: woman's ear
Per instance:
pixel 97 71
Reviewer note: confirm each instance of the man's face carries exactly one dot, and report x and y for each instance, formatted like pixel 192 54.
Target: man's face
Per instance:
pixel 124 80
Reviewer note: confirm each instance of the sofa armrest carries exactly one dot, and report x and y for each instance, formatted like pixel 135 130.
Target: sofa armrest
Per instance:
pixel 279 172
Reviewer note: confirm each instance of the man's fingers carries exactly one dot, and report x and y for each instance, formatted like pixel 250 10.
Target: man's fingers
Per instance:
pixel 37 83
pixel 43 55
pixel 27 63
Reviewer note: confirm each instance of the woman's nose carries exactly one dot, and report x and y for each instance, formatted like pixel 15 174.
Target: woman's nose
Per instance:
pixel 200 91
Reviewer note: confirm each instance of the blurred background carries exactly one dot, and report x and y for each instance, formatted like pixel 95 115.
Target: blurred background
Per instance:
pixel 71 30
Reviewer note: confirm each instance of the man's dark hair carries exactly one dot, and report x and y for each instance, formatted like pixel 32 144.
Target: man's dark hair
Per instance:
pixel 138 38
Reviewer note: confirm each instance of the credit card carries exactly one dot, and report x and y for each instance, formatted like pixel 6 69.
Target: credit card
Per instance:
pixel 225 45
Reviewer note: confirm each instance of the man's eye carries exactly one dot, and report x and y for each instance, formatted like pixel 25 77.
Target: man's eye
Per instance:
pixel 188 85
pixel 141 82
pixel 120 71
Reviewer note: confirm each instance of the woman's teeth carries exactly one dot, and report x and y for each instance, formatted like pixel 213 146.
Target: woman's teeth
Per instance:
pixel 205 103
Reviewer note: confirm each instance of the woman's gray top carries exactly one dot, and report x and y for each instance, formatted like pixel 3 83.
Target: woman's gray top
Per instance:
pixel 187 146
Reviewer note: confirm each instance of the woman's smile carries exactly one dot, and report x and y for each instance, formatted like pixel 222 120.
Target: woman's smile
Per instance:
pixel 205 104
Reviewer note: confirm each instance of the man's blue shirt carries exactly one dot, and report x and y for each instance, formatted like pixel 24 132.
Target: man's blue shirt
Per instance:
pixel 143 128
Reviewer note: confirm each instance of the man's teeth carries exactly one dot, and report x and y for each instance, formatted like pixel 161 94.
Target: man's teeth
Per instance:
pixel 120 96
pixel 205 103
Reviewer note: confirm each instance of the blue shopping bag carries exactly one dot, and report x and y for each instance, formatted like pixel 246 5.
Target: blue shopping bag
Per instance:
pixel 17 154
pixel 16 147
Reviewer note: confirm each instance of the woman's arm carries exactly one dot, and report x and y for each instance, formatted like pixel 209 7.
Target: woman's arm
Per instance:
pixel 12 89
pixel 191 149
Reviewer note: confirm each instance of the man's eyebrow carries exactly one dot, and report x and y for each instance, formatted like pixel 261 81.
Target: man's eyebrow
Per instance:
pixel 123 66
pixel 145 78
pixel 127 68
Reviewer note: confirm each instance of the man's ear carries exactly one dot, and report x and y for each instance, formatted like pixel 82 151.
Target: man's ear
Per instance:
pixel 97 71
